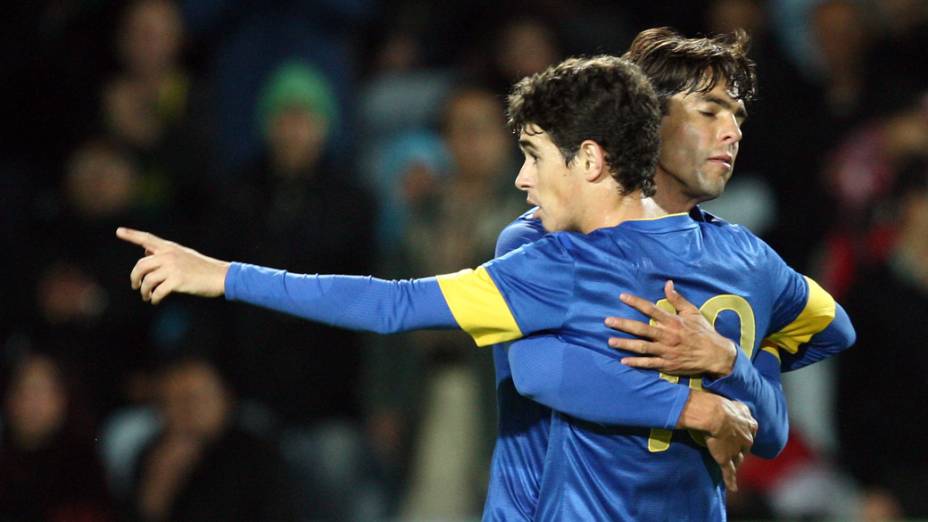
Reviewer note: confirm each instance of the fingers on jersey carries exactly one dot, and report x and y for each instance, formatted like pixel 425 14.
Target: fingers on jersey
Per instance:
pixel 656 332
pixel 648 363
pixel 680 304
pixel 646 307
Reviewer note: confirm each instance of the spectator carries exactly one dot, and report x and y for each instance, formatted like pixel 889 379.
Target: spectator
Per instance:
pixel 860 175
pixel 202 465
pixel 296 207
pixel 81 308
pixel 455 225
pixel 901 43
pixel 49 469
pixel 155 108
pixel 880 393
pixel 244 42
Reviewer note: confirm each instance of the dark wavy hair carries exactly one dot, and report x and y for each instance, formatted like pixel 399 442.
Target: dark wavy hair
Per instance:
pixel 677 64
pixel 604 99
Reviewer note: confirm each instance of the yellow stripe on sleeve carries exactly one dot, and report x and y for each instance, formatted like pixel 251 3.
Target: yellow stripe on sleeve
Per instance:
pixel 815 317
pixel 478 306
pixel 770 348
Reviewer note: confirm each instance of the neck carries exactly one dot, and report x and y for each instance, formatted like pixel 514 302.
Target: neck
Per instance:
pixel 671 194
pixel 615 208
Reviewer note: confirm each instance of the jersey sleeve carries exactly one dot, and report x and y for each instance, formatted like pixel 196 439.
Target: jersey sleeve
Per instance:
pixel 525 291
pixel 808 325
pixel 593 386
pixel 354 302
pixel 497 302
pixel 835 338
pixel 522 231
pixel 758 386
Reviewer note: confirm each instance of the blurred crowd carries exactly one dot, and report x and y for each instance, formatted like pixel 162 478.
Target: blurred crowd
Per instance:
pixel 365 136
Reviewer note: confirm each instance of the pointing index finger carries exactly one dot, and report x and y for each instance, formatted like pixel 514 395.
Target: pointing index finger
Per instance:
pixel 146 240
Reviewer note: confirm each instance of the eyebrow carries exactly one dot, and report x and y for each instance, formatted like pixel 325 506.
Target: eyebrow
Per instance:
pixel 527 145
pixel 739 111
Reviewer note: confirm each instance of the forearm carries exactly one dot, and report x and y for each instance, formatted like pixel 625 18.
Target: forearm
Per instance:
pixel 758 386
pixel 593 385
pixel 354 302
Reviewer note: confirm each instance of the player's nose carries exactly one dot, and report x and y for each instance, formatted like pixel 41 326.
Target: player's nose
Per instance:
pixel 523 179
pixel 730 131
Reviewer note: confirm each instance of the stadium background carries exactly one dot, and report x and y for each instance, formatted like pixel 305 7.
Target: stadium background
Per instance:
pixel 359 136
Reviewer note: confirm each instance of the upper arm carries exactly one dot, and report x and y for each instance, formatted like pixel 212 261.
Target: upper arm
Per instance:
pixel 525 291
pixel 808 325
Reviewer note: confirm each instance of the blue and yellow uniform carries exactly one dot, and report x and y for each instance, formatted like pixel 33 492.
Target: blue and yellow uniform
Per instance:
pixel 522 440
pixel 559 376
pixel 564 285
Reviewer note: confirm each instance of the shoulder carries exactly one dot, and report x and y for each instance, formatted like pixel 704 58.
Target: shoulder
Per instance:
pixel 735 236
pixel 523 230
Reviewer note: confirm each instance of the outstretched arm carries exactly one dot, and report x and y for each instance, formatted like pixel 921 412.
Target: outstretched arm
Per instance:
pixel 363 303
pixel 469 300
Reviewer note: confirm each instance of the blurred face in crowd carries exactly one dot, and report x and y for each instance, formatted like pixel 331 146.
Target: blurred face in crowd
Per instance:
pixel 297 139
pixel 100 181
pixel 526 46
pixel 838 28
pixel 549 182
pixel 195 402
pixel 725 16
pixel 700 135
pixel 36 402
pixel 150 38
pixel 129 111
pixel 476 134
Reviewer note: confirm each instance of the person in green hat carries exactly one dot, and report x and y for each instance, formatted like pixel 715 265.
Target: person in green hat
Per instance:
pixel 294 207
pixel 296 113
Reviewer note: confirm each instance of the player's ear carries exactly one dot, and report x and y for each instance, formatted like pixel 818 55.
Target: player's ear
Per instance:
pixel 592 160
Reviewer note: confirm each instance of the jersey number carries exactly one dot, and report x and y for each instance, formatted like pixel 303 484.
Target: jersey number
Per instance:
pixel 660 438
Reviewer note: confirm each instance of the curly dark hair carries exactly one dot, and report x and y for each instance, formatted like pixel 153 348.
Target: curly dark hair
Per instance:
pixel 677 64
pixel 604 99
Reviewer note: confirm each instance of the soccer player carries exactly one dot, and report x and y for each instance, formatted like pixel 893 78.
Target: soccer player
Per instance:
pixel 700 135
pixel 598 188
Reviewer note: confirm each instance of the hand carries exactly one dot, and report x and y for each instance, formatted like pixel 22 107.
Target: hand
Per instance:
pixel 733 436
pixel 678 344
pixel 168 267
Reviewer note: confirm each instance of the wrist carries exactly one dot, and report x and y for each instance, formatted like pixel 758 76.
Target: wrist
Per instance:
pixel 225 273
pixel 703 412
pixel 222 273
pixel 726 362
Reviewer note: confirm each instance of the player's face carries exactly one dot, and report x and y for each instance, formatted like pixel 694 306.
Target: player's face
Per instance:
pixel 699 141
pixel 550 184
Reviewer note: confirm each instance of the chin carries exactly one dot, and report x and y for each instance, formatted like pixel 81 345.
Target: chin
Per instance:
pixel 711 188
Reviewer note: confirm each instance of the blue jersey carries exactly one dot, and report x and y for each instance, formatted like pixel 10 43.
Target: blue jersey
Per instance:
pixel 562 286
pixel 567 283
pixel 522 440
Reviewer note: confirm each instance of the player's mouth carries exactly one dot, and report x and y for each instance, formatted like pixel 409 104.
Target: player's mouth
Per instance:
pixel 724 159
